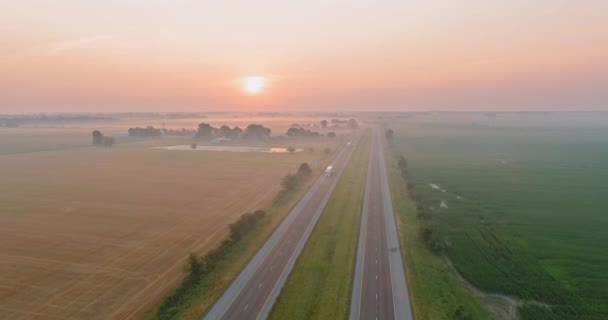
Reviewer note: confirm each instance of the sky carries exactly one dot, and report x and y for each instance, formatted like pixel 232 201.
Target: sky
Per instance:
pixel 315 55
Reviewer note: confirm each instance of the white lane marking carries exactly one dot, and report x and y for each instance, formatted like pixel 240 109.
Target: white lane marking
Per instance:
pixel 259 285
pixel 376 296
pixel 247 305
pixel 376 261
pixel 376 277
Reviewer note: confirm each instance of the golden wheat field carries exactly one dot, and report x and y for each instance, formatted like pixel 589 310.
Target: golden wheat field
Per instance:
pixel 102 233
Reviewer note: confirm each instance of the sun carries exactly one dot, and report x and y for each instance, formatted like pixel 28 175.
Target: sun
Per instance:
pixel 254 84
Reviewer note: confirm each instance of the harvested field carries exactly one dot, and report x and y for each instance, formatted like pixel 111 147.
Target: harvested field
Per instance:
pixel 103 233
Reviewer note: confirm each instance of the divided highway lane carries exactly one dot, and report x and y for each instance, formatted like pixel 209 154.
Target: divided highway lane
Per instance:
pixel 255 290
pixel 379 286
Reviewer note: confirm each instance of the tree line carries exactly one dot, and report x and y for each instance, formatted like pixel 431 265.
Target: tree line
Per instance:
pixel 253 132
pixel 428 232
pixel 148 131
pixel 337 124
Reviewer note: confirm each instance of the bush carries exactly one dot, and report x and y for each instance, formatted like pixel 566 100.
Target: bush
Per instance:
pixel 289 182
pixel 194 267
pixel 102 141
pixel 462 313
pixel 327 150
pixel 97 138
pixel 301 132
pixel 239 228
pixel 430 238
pixel 304 170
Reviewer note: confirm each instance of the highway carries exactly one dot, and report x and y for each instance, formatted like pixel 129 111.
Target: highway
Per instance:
pixel 253 293
pixel 379 287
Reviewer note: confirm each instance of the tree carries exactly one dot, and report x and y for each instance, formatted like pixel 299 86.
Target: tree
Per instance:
pixel 352 124
pixel 256 132
pixel 97 138
pixel 304 170
pixel 291 149
pixel 327 150
pixel 102 141
pixel 389 134
pixel 431 238
pixel 301 132
pixel 239 228
pixel 193 146
pixel 331 134
pixel 236 131
pixel 461 313
pixel 259 214
pixel 108 141
pixel 402 163
pixel 195 267
pixel 205 131
pixel 225 131
pixel 324 124
pixel 289 182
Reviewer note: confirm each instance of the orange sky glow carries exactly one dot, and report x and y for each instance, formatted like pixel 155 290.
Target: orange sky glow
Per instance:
pixel 129 55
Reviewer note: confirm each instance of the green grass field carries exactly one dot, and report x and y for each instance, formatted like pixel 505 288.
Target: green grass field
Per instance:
pixel 520 201
pixel 319 286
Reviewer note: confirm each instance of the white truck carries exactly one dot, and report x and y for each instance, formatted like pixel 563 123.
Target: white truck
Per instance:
pixel 329 171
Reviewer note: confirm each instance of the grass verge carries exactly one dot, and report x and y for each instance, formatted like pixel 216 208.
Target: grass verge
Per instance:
pixel 319 286
pixel 435 291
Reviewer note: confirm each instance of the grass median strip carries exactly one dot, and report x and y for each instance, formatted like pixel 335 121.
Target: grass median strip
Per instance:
pixel 320 284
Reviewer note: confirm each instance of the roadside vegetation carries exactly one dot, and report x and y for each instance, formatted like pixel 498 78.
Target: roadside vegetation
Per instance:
pixel 435 291
pixel 202 269
pixel 208 275
pixel 319 286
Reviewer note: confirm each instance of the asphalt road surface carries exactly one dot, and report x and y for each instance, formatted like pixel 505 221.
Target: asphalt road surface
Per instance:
pixel 379 286
pixel 255 290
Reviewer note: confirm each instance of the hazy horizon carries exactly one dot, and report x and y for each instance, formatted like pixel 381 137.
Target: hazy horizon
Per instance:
pixel 318 56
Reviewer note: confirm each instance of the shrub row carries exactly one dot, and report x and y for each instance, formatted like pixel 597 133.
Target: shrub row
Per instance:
pixel 428 233
pixel 200 268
